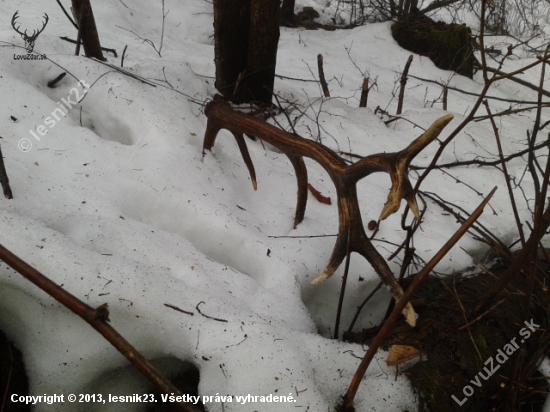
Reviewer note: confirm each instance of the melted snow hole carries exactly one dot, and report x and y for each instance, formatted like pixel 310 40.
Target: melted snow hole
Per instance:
pixel 322 300
pixel 110 127
pixel 128 381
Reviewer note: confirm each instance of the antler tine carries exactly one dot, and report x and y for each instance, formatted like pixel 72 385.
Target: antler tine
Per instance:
pixel 426 138
pixel 35 33
pixel 43 25
pixel 246 157
pixel 13 19
pixel 401 185
pixel 212 129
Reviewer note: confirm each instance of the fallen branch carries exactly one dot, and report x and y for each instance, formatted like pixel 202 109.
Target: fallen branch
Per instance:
pixel 97 318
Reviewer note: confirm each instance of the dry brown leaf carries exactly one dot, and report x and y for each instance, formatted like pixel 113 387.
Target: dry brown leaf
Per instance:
pixel 401 354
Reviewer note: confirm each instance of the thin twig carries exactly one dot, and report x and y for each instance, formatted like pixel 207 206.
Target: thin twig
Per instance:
pixel 362 305
pixel 456 89
pixel 123 54
pixel 178 309
pixel 206 316
pixel 67 14
pixel 506 174
pixel 342 288
pixel 496 305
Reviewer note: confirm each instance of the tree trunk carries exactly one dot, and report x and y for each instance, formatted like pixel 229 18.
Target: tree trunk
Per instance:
pixel 262 50
pixel 246 35
pixel 287 12
pixel 84 16
pixel 231 38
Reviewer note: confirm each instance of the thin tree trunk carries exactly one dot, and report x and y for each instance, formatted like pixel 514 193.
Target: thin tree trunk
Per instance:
pixel 82 10
pixel 231 38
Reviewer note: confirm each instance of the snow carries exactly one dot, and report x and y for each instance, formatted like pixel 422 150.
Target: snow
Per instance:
pixel 117 204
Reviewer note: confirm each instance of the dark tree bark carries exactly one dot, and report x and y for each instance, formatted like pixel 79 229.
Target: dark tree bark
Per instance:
pixel 287 12
pixel 262 50
pixel 84 16
pixel 231 38
pixel 246 35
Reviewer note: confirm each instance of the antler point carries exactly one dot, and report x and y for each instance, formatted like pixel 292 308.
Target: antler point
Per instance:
pixel 320 279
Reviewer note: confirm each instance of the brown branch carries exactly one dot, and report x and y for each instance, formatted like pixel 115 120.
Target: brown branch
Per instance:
pixel 351 233
pixel 403 84
pixel 97 318
pixel 347 403
pixel 364 93
pixel 322 79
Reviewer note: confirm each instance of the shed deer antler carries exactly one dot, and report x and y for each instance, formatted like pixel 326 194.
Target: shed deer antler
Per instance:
pixel 351 233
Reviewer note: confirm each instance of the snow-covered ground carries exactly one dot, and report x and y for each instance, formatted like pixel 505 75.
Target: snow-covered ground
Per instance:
pixel 117 204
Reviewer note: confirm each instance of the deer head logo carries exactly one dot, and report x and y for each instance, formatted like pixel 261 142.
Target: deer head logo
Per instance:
pixel 29 38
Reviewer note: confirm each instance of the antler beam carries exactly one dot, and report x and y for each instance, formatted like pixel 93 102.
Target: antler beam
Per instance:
pixel 351 233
